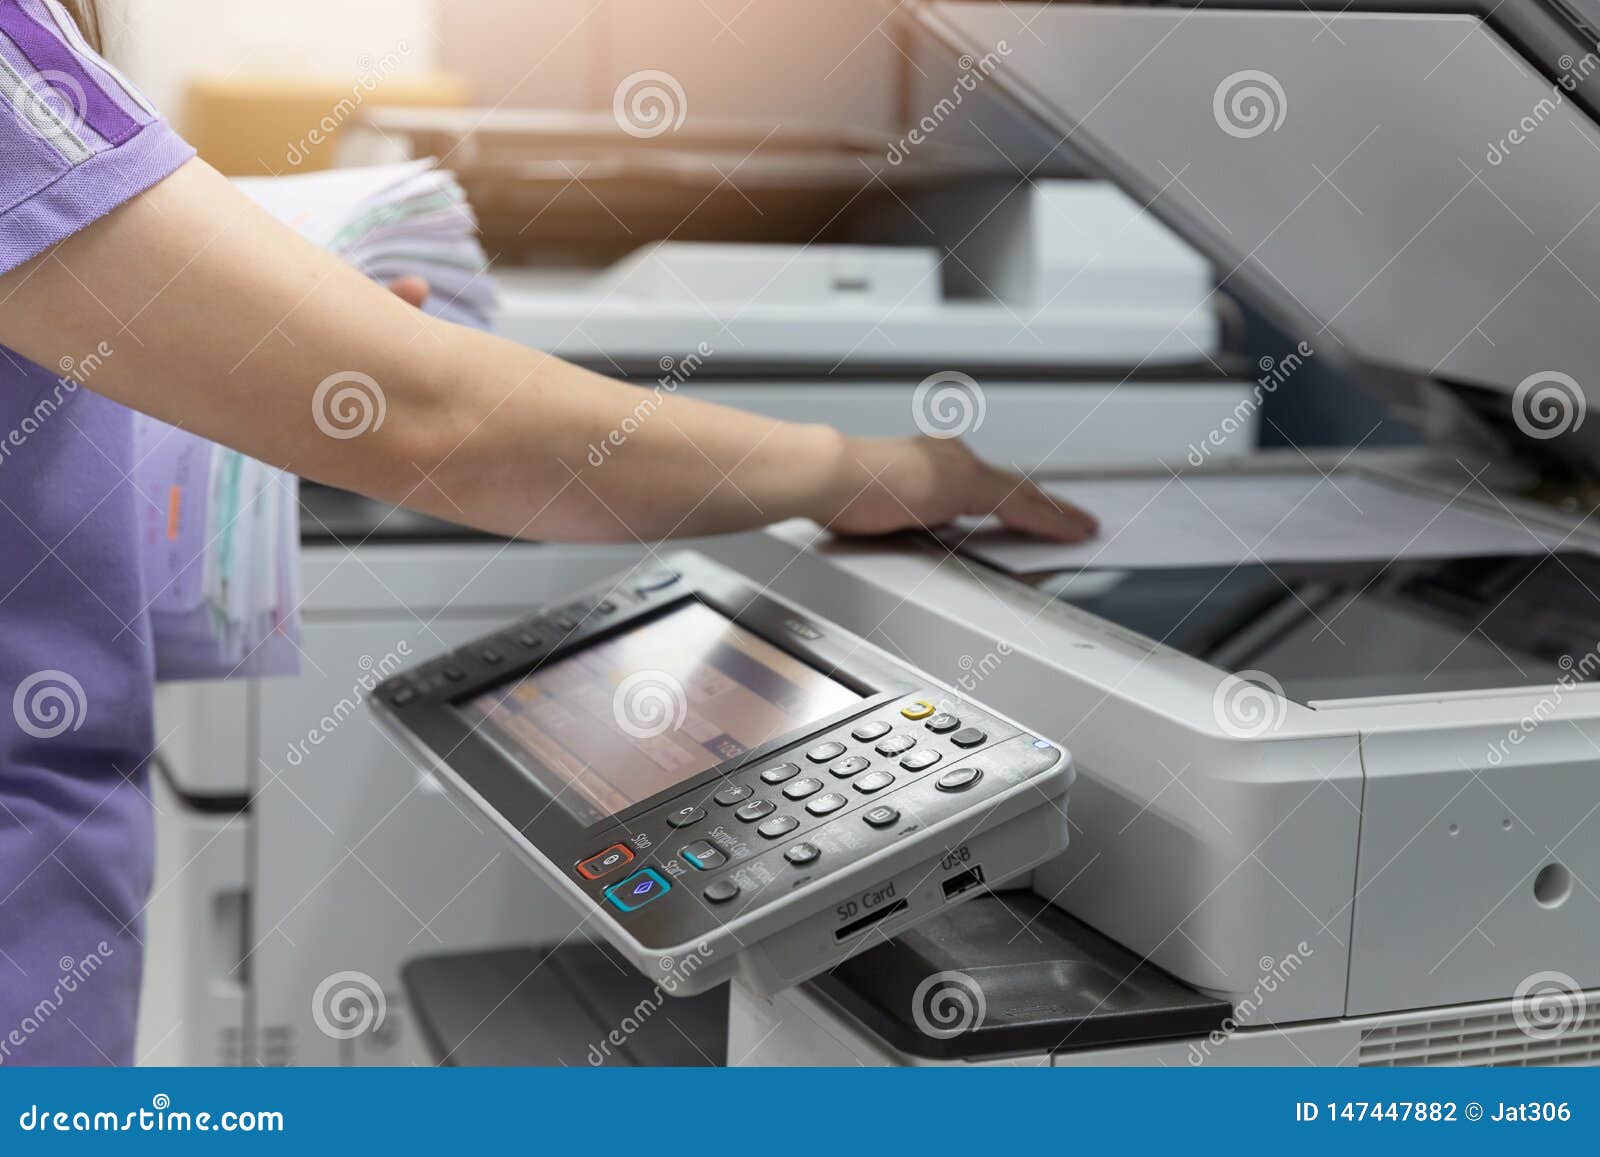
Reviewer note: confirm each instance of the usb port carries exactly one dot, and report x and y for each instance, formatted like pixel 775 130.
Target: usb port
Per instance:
pixel 963 882
pixel 877 914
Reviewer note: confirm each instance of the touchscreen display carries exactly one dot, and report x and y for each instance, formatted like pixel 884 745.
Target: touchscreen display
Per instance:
pixel 623 720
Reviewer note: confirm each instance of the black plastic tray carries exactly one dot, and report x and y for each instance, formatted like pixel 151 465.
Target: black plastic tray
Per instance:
pixel 1010 974
pixel 573 1006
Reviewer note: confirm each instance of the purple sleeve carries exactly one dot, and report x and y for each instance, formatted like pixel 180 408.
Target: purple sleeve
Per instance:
pixel 76 139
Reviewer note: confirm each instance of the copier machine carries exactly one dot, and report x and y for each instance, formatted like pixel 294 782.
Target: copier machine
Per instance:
pixel 1342 811
pixel 288 839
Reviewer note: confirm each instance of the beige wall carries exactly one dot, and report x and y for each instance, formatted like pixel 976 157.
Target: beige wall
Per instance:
pixel 824 61
pixel 526 53
pixel 162 43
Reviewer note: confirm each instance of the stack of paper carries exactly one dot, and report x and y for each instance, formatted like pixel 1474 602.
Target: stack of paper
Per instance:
pixel 389 221
pixel 220 535
pixel 220 532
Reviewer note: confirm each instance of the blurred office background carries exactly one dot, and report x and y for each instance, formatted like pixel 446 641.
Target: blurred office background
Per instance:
pixel 781 109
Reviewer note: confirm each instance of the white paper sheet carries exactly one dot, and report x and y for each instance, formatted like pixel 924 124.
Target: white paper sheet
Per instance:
pixel 389 221
pixel 220 532
pixel 1163 521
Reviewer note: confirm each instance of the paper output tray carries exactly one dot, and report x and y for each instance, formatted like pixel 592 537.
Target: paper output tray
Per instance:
pixel 558 1007
pixel 1044 982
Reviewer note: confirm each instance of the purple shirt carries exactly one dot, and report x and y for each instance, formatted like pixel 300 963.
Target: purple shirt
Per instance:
pixel 76 842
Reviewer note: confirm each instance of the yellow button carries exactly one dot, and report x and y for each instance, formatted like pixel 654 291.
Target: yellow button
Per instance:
pixel 921 709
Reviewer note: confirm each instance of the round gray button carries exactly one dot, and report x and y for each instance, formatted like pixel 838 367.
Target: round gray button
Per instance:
pixel 826 804
pixel 778 826
pixel 873 781
pixel 733 793
pixel 958 779
pixel 780 772
pixel 895 744
pixel 848 766
pixel 755 809
pixel 654 580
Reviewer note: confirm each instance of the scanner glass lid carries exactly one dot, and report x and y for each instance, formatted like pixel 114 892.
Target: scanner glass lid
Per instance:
pixel 1348 630
pixel 1364 174
pixel 617 723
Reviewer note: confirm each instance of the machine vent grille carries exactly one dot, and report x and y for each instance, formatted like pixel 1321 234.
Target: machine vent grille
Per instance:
pixel 277 1046
pixel 1487 1039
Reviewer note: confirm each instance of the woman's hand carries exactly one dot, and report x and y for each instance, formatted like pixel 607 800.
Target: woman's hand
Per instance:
pixel 904 483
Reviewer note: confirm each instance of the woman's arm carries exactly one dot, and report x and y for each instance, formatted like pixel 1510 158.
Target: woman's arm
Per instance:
pixel 222 321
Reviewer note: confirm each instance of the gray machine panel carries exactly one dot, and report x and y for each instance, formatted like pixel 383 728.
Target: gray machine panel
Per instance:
pixel 1401 190
pixel 786 918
